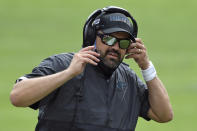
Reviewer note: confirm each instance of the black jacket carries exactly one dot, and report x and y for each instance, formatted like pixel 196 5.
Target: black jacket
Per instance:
pixel 91 101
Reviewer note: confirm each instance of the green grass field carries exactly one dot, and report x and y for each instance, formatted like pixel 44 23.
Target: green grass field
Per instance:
pixel 33 30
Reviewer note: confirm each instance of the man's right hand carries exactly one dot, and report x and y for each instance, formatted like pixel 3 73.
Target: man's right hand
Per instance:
pixel 29 91
pixel 80 59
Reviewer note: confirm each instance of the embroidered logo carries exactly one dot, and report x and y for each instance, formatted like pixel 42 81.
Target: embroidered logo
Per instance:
pixel 120 19
pixel 122 86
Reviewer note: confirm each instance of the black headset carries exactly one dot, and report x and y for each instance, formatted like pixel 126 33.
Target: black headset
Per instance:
pixel 89 30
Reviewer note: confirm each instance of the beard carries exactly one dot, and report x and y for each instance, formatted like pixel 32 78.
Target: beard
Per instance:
pixel 110 62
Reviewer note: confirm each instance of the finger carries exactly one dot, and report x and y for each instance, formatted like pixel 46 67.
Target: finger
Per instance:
pixel 90 57
pixel 134 56
pixel 87 48
pixel 137 45
pixel 139 40
pixel 91 53
pixel 87 60
pixel 135 51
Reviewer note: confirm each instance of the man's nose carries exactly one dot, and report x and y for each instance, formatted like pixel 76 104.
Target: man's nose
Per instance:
pixel 116 46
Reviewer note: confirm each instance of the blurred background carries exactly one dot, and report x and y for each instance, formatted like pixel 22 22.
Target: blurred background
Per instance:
pixel 35 29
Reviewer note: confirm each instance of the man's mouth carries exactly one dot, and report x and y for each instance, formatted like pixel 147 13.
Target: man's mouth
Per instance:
pixel 113 55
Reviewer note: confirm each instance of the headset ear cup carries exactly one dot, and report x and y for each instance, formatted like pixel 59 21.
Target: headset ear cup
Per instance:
pixel 89 37
pixel 88 29
pixel 135 27
pixel 85 34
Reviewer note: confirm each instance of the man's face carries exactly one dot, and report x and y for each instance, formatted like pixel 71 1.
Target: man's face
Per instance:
pixel 111 56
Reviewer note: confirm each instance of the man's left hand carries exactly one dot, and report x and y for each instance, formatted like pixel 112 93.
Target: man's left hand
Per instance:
pixel 138 52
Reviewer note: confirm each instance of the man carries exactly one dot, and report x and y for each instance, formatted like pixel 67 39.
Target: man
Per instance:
pixel 93 89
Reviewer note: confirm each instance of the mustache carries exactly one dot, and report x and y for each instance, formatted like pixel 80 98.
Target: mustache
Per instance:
pixel 113 51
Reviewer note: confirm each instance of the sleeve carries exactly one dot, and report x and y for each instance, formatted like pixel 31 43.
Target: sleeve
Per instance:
pixel 143 94
pixel 48 66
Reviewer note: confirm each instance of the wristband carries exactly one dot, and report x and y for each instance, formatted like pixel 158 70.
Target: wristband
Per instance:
pixel 150 73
